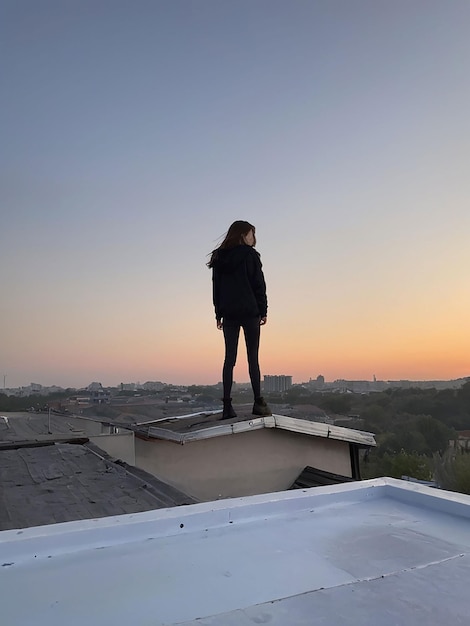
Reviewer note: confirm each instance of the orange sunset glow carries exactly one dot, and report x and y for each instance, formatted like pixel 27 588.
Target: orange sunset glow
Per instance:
pixel 338 129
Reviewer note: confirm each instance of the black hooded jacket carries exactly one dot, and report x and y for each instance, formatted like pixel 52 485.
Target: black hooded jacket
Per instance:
pixel 239 289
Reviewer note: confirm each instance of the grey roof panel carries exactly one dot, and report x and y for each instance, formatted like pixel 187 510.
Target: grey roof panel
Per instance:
pixel 65 482
pixel 35 426
pixel 313 477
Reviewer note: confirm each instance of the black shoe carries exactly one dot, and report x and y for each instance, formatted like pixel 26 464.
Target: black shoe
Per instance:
pixel 228 411
pixel 261 408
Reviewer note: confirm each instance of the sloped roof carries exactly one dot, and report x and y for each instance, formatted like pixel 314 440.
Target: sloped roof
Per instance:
pixel 314 477
pixel 64 482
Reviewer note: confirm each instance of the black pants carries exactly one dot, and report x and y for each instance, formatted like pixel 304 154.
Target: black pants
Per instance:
pixel 251 329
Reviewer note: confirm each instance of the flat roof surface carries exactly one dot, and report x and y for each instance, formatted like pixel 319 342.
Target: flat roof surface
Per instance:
pixel 378 552
pixel 32 426
pixel 65 482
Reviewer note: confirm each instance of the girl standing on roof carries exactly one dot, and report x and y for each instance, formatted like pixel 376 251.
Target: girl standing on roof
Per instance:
pixel 239 295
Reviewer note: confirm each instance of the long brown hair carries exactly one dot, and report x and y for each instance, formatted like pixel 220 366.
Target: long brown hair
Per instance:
pixel 234 237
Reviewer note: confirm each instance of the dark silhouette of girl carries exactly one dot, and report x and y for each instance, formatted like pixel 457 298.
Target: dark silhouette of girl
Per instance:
pixel 239 294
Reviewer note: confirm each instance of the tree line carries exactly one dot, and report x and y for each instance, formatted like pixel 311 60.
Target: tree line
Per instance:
pixel 415 430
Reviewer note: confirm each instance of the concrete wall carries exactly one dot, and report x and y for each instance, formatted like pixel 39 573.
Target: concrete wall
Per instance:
pixel 119 446
pixel 244 464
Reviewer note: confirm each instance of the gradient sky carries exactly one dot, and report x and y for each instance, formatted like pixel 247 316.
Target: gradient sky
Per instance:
pixel 134 132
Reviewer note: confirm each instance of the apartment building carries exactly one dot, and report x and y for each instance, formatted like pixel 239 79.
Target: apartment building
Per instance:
pixel 278 383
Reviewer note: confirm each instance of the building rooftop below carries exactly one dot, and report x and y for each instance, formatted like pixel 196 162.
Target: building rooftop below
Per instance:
pixel 36 426
pixel 60 482
pixel 374 552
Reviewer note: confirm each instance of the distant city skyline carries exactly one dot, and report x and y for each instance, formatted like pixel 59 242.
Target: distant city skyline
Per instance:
pixel 137 382
pixel 134 133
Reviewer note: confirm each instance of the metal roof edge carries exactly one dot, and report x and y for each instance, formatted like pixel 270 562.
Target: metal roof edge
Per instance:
pixel 320 429
pixel 451 502
pixel 224 429
pixel 217 430
pixel 176 417
pixel 154 432
pixel 305 427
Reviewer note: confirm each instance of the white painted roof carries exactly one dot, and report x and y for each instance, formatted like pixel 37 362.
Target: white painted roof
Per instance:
pixel 378 552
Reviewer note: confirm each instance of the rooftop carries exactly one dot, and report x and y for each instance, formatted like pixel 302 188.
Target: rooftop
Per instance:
pixel 60 482
pixel 41 427
pixel 382 551
pixel 194 426
pixel 25 426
